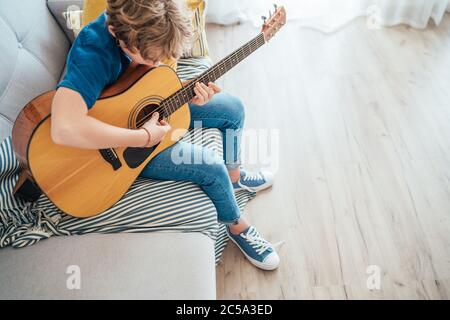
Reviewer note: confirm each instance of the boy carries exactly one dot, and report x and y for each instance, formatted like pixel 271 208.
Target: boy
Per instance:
pixel 133 32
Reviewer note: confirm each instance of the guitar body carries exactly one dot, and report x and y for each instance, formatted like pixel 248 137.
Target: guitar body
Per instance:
pixel 85 182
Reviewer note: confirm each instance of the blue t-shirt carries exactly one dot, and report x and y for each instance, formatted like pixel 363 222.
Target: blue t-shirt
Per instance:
pixel 94 61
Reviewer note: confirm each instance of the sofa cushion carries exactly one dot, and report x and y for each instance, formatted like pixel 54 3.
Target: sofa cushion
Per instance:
pixel 33 55
pixel 121 266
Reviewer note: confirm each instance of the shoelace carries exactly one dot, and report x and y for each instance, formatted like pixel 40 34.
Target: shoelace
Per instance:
pixel 259 244
pixel 253 176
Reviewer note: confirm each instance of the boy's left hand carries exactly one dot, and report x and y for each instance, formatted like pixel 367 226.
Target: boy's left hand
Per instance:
pixel 204 93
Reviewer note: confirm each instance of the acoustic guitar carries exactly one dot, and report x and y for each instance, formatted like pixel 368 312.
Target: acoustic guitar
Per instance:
pixel 86 182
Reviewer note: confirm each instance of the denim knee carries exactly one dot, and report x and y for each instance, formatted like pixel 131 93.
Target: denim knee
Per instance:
pixel 234 109
pixel 213 168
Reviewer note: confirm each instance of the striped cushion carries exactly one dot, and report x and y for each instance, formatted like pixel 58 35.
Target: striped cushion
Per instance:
pixel 148 206
pixel 189 68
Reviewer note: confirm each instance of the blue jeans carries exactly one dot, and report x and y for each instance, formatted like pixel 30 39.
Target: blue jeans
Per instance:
pixel 187 162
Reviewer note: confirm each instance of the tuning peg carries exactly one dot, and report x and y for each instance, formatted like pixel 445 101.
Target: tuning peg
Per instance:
pixel 275 6
pixel 264 18
pixel 270 13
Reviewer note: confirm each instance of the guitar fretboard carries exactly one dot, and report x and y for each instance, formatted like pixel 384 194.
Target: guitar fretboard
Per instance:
pixel 184 95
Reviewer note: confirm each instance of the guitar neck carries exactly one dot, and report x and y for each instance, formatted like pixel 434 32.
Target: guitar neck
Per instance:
pixel 186 94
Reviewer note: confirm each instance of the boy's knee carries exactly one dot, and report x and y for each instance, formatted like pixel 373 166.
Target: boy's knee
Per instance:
pixel 238 110
pixel 213 167
pixel 234 108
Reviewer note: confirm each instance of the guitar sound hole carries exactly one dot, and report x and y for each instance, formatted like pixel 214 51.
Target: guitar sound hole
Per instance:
pixel 146 113
pixel 134 157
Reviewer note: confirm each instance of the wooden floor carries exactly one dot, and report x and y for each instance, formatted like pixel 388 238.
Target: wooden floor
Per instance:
pixel 364 161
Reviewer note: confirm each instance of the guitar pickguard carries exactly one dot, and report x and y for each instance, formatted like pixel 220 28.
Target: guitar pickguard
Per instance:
pixel 134 157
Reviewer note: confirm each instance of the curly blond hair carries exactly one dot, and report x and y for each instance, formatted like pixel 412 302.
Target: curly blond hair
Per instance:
pixel 157 29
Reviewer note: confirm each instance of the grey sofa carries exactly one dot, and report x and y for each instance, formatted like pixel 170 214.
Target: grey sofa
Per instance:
pixel 125 266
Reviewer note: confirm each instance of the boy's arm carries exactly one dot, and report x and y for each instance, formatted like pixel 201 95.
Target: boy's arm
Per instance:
pixel 72 126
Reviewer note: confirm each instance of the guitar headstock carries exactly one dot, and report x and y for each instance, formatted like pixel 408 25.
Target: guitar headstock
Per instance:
pixel 275 22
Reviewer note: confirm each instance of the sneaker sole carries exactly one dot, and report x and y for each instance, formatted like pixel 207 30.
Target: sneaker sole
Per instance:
pixel 260 265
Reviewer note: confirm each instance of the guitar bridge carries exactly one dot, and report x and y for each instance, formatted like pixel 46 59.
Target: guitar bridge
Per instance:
pixel 111 157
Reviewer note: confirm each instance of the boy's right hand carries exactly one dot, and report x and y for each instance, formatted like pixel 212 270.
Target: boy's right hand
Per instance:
pixel 157 129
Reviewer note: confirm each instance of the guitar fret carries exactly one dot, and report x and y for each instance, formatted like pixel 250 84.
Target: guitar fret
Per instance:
pixel 169 105
pixel 238 55
pixel 249 50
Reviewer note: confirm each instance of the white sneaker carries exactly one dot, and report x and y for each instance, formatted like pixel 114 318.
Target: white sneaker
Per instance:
pixel 256 249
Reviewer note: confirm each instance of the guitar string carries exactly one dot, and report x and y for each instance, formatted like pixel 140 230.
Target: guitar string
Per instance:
pixel 172 102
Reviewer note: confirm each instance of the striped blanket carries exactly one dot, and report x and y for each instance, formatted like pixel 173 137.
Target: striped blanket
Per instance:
pixel 148 206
